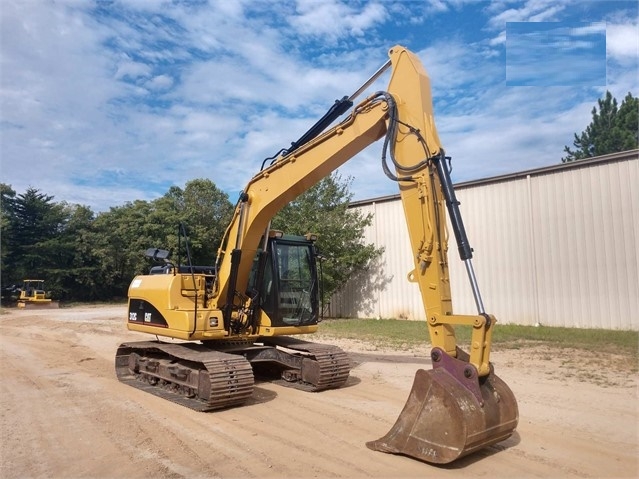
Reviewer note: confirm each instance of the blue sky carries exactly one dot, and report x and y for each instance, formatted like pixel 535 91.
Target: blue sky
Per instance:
pixel 112 101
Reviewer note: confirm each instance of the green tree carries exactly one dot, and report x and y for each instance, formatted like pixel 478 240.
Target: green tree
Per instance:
pixel 324 210
pixel 205 211
pixel 612 129
pixel 121 235
pixel 7 195
pixel 34 223
pixel 78 268
pixel 87 257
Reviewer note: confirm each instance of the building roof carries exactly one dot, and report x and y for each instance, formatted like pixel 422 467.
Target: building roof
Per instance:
pixel 610 158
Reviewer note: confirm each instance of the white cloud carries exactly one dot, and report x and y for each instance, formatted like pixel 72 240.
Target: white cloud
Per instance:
pixel 128 69
pixel 335 19
pixel 492 142
pixel 527 11
pixel 436 6
pixel 622 41
pixel 530 11
pixel 459 72
pixel 154 93
pixel 498 40
pixel 592 29
pixel 548 13
pixel 55 78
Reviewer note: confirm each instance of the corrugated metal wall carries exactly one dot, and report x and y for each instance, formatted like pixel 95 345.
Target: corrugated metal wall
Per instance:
pixel 556 246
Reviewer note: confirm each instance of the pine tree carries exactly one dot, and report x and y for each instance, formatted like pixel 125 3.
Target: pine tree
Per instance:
pixel 612 129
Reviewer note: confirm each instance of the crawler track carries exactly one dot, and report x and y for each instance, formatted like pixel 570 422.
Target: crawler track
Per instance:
pixel 204 378
pixel 323 366
pixel 188 374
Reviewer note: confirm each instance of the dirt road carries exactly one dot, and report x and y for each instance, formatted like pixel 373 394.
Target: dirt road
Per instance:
pixel 65 415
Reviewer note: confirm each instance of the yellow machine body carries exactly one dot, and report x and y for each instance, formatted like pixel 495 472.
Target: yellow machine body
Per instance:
pixel 174 295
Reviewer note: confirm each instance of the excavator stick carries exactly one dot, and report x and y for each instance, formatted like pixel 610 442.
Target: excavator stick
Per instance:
pixel 453 409
pixel 451 413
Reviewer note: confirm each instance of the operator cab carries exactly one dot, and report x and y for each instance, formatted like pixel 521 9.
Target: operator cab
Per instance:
pixel 32 288
pixel 289 288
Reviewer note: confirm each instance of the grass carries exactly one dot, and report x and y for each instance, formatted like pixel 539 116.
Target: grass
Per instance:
pixel 396 334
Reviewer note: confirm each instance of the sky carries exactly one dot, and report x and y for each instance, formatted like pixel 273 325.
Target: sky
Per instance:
pixel 108 102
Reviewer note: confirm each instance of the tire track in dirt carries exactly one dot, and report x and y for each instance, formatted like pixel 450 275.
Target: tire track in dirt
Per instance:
pixel 64 372
pixel 56 422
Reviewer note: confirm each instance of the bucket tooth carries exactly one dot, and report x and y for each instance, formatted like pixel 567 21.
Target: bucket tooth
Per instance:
pixel 443 420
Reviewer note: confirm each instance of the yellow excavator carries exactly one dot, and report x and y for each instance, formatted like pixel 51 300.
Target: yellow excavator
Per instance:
pixel 238 319
pixel 33 296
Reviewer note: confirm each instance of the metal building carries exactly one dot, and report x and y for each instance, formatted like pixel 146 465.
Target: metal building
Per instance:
pixel 556 246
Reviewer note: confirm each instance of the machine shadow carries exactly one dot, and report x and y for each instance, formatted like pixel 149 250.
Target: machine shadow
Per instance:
pixel 260 395
pixel 361 358
pixel 480 455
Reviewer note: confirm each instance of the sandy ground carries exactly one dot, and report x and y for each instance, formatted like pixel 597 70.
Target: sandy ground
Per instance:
pixel 65 415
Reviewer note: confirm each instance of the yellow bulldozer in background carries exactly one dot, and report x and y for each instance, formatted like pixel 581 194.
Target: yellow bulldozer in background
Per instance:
pixel 33 296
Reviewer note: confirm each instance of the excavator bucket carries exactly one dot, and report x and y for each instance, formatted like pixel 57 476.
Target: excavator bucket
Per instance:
pixel 447 417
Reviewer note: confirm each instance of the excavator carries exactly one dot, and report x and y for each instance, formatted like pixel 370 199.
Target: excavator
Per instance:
pixel 241 317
